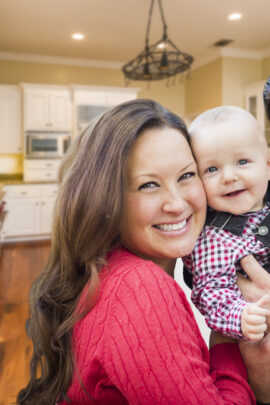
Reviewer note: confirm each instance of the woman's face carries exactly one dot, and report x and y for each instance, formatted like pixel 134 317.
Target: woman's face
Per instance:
pixel 164 201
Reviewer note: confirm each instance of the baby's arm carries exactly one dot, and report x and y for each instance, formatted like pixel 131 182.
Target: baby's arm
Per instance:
pixel 254 318
pixel 215 292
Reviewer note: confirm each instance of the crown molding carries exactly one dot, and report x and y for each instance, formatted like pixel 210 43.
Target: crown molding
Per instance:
pixel 59 60
pixel 241 53
pixel 228 52
pixel 210 56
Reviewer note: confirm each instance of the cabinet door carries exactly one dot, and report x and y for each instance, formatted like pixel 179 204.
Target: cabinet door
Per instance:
pixel 60 110
pixel 22 218
pixel 36 112
pixel 10 119
pixel 46 214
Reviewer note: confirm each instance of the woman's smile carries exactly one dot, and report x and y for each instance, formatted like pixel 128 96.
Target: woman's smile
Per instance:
pixel 169 227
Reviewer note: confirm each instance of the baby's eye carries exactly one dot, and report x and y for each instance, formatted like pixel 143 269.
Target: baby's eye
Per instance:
pixel 149 184
pixel 187 175
pixel 242 162
pixel 211 169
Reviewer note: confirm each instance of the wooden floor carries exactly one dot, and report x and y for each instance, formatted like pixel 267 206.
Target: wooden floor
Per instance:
pixel 19 266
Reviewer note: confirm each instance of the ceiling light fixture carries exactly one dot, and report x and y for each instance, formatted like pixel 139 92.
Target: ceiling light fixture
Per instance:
pixel 235 16
pixel 160 60
pixel 78 36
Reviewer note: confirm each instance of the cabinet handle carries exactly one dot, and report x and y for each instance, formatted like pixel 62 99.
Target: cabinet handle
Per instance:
pixel 48 174
pixel 48 165
pixel 42 203
pixel 37 203
pixel 23 193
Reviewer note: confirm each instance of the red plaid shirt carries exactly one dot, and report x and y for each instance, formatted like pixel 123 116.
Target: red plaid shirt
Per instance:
pixel 213 264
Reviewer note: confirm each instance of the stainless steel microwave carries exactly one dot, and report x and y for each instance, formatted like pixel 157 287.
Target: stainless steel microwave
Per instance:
pixel 47 144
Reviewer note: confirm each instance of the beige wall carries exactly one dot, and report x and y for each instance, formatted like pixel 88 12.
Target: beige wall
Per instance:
pixel 266 68
pixel 173 97
pixel 204 89
pixel 221 82
pixel 236 74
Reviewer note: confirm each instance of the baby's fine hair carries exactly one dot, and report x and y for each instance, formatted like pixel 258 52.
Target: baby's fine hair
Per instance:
pixel 224 114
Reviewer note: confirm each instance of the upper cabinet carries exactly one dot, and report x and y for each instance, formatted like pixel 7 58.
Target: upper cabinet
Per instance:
pixel 91 101
pixel 10 119
pixel 254 104
pixel 47 108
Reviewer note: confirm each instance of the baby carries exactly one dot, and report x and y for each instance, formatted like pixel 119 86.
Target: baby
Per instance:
pixel 234 165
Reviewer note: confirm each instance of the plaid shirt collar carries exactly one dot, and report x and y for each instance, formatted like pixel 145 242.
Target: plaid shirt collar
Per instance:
pixel 236 223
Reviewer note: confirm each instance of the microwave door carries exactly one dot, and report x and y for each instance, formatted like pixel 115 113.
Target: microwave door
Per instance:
pixel 43 146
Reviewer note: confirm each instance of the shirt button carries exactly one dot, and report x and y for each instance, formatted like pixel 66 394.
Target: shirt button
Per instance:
pixel 263 230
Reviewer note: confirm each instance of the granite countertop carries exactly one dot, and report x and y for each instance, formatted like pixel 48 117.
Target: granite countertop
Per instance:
pixel 11 179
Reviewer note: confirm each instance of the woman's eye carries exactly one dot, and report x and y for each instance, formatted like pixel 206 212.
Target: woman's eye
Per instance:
pixel 149 184
pixel 211 169
pixel 186 176
pixel 242 162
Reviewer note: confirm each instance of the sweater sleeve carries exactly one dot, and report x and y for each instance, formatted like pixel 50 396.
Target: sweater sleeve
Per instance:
pixel 154 351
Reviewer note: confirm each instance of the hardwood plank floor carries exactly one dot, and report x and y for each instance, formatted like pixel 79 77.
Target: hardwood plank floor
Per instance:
pixel 20 264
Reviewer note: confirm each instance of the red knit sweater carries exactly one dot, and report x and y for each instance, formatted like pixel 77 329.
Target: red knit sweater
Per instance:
pixel 140 344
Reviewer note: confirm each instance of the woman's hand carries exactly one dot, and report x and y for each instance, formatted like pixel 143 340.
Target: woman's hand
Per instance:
pixel 256 356
pixel 258 283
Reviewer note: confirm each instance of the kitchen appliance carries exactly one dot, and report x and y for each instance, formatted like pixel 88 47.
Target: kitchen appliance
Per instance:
pixel 47 144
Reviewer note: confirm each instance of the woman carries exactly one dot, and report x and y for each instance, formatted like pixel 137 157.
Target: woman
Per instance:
pixel 108 322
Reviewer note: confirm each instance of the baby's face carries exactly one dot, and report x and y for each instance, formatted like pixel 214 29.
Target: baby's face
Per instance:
pixel 233 165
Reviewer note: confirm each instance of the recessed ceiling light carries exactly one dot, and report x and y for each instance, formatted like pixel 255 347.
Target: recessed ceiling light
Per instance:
pixel 235 16
pixel 78 36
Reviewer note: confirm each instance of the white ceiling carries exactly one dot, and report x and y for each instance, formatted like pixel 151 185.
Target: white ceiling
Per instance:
pixel 115 29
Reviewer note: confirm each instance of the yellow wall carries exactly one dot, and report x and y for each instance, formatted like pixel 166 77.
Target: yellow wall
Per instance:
pixel 236 74
pixel 173 97
pixel 220 82
pixel 266 68
pixel 204 89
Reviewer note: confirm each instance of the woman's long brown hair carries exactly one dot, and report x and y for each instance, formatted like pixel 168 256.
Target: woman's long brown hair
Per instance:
pixel 85 227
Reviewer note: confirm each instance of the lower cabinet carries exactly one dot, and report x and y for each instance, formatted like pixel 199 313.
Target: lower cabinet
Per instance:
pixel 29 211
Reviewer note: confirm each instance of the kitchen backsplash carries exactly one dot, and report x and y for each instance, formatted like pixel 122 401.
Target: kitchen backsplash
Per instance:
pixel 11 164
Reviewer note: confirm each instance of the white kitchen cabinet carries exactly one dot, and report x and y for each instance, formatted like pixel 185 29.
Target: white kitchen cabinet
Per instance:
pixel 254 104
pixel 41 169
pixel 46 210
pixel 22 218
pixel 92 101
pixel 10 119
pixel 47 108
pixel 29 211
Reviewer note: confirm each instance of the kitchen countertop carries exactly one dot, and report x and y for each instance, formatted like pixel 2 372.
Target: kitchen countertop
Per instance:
pixel 7 179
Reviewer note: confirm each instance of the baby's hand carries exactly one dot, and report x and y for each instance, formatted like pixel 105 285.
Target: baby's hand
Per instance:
pixel 254 318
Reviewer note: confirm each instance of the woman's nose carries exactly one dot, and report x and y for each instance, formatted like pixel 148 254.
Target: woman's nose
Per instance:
pixel 174 202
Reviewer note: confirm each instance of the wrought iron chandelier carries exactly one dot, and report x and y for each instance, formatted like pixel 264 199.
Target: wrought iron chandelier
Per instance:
pixel 160 60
